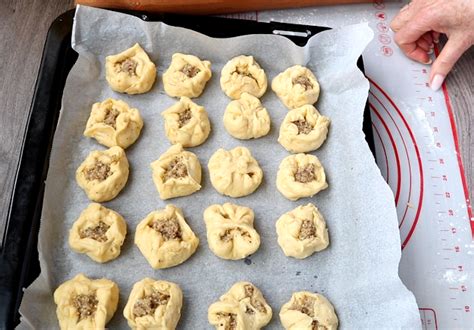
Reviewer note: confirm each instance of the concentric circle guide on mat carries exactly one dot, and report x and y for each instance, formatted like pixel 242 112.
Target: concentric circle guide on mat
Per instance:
pixel 418 154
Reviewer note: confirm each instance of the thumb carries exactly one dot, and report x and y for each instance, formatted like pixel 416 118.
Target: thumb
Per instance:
pixel 451 52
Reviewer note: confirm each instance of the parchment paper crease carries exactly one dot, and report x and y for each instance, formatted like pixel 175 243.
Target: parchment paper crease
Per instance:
pixel 358 272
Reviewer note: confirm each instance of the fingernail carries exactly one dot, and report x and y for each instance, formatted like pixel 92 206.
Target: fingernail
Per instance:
pixel 436 41
pixel 430 51
pixel 429 61
pixel 437 81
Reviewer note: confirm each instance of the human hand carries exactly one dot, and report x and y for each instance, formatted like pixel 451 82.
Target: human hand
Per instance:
pixel 419 24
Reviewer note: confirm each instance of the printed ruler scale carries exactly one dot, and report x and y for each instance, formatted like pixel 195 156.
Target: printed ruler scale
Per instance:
pixel 418 155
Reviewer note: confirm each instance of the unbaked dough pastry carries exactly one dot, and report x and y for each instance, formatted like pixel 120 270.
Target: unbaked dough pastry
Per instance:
pixel 114 123
pixel 165 239
pixel 131 71
pixel 86 304
pixel 304 129
pixel 103 174
pixel 186 123
pixel 243 74
pixel 308 311
pixel 186 76
pixel 296 86
pixel 243 307
pixel 234 173
pixel 230 232
pixel 154 305
pixel 302 231
pixel 246 118
pixel 99 232
pixel 176 173
pixel 300 175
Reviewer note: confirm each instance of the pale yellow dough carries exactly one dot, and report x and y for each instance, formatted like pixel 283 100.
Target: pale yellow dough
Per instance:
pixel 234 173
pixel 103 174
pixel 187 76
pixel 296 86
pixel 304 129
pixel 186 123
pixel 308 311
pixel 243 74
pixel 230 232
pixel 165 239
pixel 246 118
pixel 131 71
pixel 302 231
pixel 243 307
pixel 72 296
pixel 99 232
pixel 300 175
pixel 114 123
pixel 176 173
pixel 154 305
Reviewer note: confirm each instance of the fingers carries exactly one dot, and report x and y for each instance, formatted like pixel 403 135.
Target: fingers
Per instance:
pixel 428 36
pixel 451 52
pixel 423 44
pixel 402 18
pixel 435 36
pixel 409 39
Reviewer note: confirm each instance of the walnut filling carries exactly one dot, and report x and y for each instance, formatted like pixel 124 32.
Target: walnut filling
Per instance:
pixel 304 305
pixel 184 117
pixel 257 304
pixel 176 169
pixel 129 66
pixel 227 320
pixel 168 228
pixel 244 71
pixel 110 117
pixel 85 305
pixel 148 304
pixel 316 326
pixel 230 233
pixel 97 233
pixel 303 81
pixel 303 126
pixel 190 70
pixel 307 230
pixel 99 172
pixel 305 174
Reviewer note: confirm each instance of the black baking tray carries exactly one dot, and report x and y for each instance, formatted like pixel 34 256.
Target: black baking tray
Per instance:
pixel 19 264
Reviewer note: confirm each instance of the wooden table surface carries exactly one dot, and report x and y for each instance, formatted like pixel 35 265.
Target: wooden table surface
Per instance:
pixel 23 28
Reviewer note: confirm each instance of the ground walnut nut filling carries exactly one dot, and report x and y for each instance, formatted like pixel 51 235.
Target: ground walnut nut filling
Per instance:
pixel 305 174
pixel 168 228
pixel 97 233
pixel 303 126
pixel 303 81
pixel 190 70
pixel 99 172
pixel 305 306
pixel 85 305
pixel 129 66
pixel 229 234
pixel 110 117
pixel 244 71
pixel 148 304
pixel 307 230
pixel 184 117
pixel 176 169
pixel 257 304
pixel 229 321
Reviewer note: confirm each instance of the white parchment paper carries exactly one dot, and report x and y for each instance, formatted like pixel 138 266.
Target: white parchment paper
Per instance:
pixel 359 270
